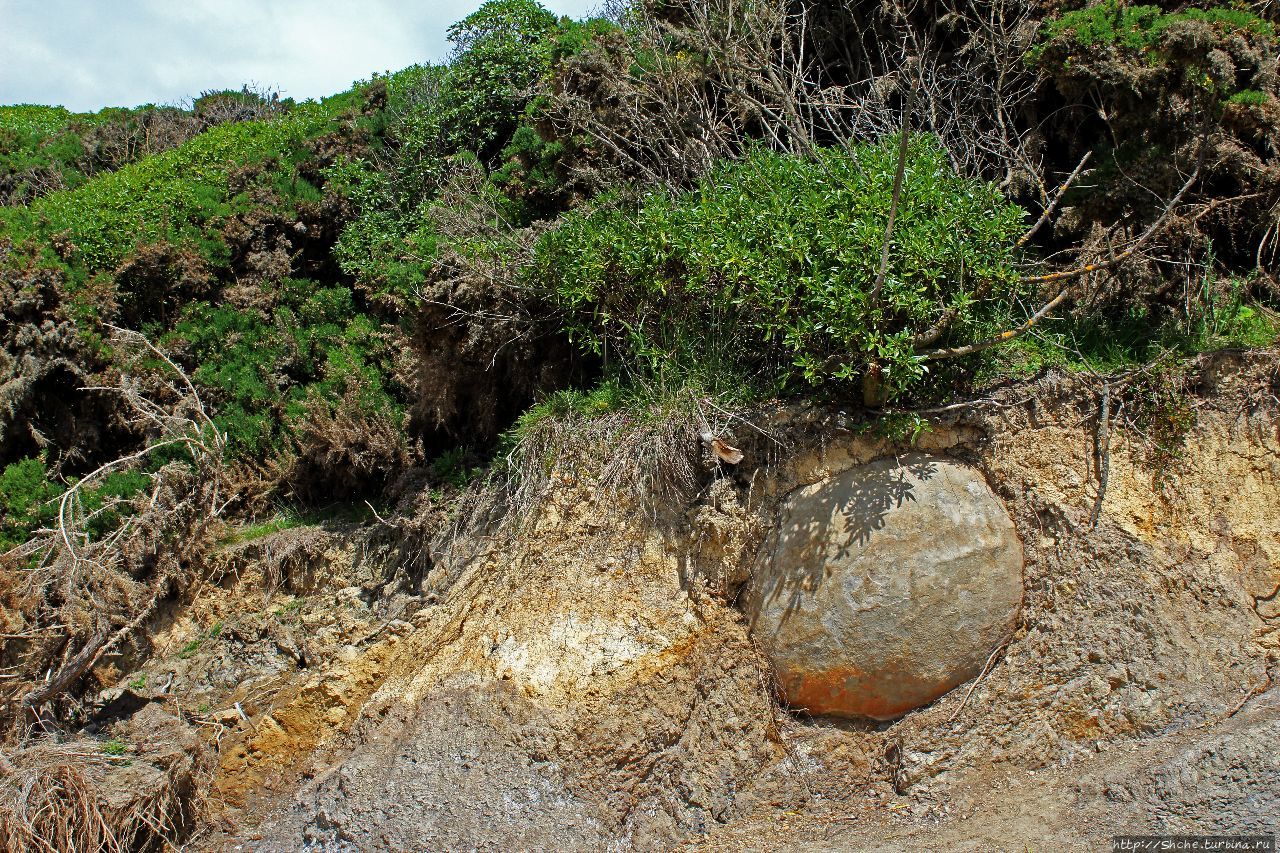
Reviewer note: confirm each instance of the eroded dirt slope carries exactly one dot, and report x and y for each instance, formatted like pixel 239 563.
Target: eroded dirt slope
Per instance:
pixel 590 683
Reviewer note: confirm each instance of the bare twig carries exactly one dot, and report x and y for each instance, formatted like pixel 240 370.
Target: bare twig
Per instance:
pixel 904 142
pixel 1057 199
pixel 1102 441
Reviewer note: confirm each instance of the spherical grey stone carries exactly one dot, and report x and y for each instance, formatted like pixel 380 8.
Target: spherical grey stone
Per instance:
pixel 886 586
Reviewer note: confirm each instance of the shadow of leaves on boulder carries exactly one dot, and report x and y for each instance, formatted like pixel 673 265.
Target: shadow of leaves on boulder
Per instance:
pixel 815 534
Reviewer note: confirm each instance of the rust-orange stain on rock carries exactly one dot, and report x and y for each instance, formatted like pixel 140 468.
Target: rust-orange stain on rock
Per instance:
pixel 850 692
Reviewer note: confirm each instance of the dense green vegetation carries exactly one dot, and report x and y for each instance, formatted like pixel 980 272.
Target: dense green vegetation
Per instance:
pixel 593 255
pixel 476 110
pixel 49 149
pixel 39 146
pixel 264 369
pixel 156 243
pixel 29 500
pixel 596 252
pixel 1188 43
pixel 771 264
pixel 1140 28
pixel 178 196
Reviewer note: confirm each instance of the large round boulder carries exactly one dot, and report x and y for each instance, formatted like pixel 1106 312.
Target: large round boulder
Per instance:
pixel 886 586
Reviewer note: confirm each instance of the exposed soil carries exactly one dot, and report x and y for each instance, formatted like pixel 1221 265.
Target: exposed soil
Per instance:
pixel 589 684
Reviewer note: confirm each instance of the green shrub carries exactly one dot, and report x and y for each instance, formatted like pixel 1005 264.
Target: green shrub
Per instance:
pixel 388 251
pixel 115 486
pixel 45 149
pixel 261 371
pixel 178 196
pixel 1139 29
pixel 1249 98
pixel 476 110
pixel 35 121
pixel 770 262
pixel 500 51
pixel 27 501
pixel 38 146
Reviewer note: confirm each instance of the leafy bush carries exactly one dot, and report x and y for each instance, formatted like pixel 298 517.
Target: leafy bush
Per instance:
pixel 771 260
pixel 37 148
pixel 385 249
pixel 35 121
pixel 500 51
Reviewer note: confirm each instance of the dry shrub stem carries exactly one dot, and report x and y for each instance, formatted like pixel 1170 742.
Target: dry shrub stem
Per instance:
pixel 91 588
pixel 1155 228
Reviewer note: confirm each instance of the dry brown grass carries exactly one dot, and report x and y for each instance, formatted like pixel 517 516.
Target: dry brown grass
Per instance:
pixel 346 449
pixel 647 456
pixel 61 798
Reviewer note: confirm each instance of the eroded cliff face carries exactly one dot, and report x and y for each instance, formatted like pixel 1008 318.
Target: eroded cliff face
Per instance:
pixel 589 681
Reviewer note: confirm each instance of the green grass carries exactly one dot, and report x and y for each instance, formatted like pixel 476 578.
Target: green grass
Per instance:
pixel 259 530
pixel 290 518
pixel 115 747
pixel 189 650
pixel 1131 339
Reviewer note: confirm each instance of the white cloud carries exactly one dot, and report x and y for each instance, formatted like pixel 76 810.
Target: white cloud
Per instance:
pixel 87 54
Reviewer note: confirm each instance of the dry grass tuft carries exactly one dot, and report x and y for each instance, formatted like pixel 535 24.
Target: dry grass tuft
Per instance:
pixel 647 456
pixel 62 798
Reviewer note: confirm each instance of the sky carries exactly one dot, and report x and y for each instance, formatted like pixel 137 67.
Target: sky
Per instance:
pixel 90 54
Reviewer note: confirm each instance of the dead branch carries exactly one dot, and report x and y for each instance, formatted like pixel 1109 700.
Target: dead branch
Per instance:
pixel 798 77
pixel 904 141
pixel 1057 199
pixel 1068 275
pixel 95 585
pixel 88 657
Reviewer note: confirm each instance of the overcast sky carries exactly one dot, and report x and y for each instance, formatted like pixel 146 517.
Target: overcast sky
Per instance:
pixel 89 54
